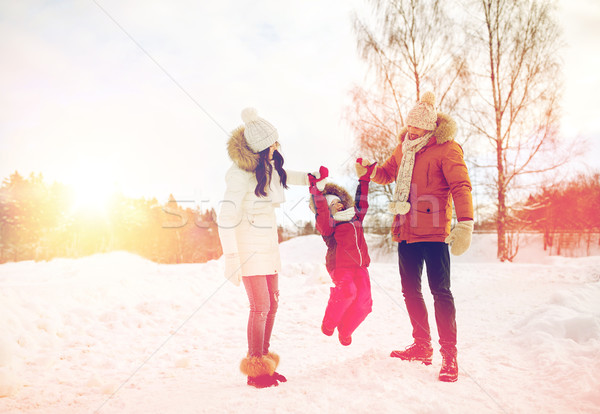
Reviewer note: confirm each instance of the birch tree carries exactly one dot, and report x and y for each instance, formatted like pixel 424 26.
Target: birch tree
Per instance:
pixel 516 108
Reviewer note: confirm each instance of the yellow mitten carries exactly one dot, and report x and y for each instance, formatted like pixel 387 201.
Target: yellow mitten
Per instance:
pixel 363 166
pixel 360 170
pixel 460 237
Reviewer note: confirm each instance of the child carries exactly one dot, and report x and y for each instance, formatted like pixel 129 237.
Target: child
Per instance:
pixel 339 220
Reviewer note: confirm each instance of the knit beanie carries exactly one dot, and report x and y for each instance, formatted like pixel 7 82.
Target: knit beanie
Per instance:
pixel 328 198
pixel 259 133
pixel 423 115
pixel 331 197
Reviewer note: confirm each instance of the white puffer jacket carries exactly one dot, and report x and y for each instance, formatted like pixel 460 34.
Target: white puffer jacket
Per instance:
pixel 247 223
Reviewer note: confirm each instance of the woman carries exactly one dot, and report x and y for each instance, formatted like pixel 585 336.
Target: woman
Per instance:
pixel 248 232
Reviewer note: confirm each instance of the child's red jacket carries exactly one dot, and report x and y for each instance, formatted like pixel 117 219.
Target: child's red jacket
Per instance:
pixel 346 245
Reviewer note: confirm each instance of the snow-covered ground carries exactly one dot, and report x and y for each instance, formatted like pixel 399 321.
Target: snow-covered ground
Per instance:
pixel 115 333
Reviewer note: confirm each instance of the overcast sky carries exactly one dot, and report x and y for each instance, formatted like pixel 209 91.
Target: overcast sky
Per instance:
pixel 81 101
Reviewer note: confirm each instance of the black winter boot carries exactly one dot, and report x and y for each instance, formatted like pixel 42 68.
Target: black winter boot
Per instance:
pixel 449 371
pixel 418 351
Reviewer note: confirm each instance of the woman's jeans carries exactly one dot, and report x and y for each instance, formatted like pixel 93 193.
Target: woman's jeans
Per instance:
pixel 263 294
pixel 411 257
pixel 350 300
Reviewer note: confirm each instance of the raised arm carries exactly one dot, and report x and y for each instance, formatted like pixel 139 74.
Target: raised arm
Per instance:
pixel 324 222
pixel 296 177
pixel 361 200
pixel 387 173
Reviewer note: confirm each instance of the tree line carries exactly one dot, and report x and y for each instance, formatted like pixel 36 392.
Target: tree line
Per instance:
pixel 567 213
pixel 40 221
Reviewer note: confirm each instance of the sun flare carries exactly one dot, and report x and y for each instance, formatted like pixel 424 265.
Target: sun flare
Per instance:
pixel 92 193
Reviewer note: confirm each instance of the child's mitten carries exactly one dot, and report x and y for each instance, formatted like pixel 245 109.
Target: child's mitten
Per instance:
pixel 316 180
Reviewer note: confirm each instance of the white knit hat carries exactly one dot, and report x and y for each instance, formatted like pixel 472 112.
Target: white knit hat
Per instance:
pixel 423 115
pixel 259 133
pixel 331 197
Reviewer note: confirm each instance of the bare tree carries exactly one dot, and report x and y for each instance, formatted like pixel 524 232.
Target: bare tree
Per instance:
pixel 413 45
pixel 376 125
pixel 516 108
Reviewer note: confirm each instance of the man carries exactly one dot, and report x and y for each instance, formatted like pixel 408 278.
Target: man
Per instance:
pixel 428 167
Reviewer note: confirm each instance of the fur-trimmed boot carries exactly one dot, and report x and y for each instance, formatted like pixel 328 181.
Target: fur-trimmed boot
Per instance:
pixel 275 358
pixel 259 370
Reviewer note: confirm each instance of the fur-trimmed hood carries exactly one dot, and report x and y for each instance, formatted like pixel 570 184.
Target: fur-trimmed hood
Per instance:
pixel 445 129
pixel 334 189
pixel 239 151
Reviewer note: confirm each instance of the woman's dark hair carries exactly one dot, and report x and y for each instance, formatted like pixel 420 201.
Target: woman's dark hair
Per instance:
pixel 264 169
